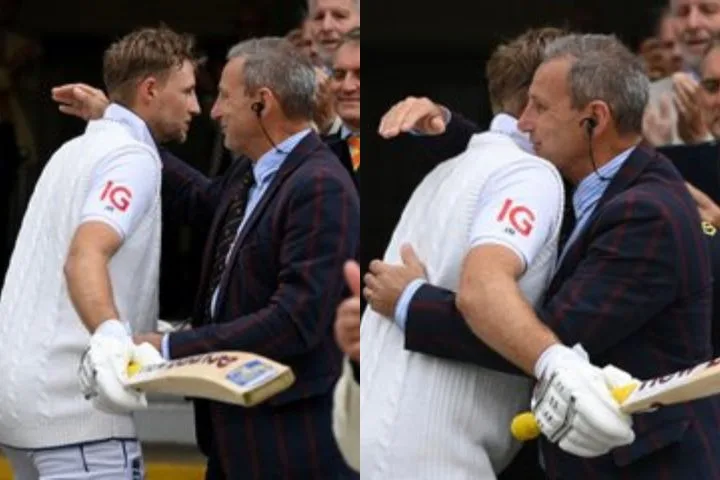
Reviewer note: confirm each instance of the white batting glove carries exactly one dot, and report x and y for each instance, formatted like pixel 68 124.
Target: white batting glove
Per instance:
pixel 573 404
pixel 614 376
pixel 103 370
pixel 145 354
pixel 163 326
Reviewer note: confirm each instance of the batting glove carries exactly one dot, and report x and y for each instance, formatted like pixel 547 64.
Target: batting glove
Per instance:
pixel 573 404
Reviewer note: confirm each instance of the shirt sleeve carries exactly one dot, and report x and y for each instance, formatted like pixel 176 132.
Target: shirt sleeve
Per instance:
pixel 403 302
pixel 520 209
pixel 122 190
pixel 165 346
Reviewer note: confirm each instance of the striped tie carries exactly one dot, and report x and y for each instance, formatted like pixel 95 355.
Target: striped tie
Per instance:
pixel 353 142
pixel 233 218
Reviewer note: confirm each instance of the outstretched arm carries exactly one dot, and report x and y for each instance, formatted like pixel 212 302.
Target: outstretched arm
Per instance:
pixel 442 133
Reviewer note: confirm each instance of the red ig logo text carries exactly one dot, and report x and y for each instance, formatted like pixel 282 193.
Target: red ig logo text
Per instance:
pixel 118 196
pixel 521 218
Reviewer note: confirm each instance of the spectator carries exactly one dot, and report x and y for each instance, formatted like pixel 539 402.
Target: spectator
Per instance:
pixel 673 115
pixel 329 20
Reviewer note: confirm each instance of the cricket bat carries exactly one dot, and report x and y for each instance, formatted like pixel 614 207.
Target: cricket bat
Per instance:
pixel 240 378
pixel 697 382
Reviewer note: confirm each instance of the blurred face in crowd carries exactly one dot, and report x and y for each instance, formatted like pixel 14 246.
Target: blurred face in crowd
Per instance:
pixel 171 103
pixel 303 41
pixel 669 47
pixel 293 36
pixel 307 44
pixel 330 19
pixel 661 53
pixel 696 21
pixel 345 83
pixel 555 127
pixel 324 112
pixel 710 89
pixel 652 56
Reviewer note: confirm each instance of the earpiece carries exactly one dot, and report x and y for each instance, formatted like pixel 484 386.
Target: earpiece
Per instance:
pixel 590 124
pixel 257 107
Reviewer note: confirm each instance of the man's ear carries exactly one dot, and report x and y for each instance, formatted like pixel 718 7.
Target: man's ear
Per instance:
pixel 147 90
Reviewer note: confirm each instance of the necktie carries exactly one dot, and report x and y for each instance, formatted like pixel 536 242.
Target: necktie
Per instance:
pixel 233 218
pixel 569 220
pixel 353 142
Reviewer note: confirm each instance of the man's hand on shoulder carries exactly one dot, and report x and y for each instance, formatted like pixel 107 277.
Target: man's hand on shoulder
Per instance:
pixel 80 100
pixel 419 115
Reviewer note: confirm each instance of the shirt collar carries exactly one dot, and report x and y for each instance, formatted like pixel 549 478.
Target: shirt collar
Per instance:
pixel 270 161
pixel 593 186
pixel 335 128
pixel 346 131
pixel 135 125
pixel 507 125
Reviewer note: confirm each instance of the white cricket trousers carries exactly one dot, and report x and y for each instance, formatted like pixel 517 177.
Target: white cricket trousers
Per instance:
pixel 103 460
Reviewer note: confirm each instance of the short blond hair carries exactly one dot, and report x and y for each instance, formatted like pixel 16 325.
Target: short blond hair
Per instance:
pixel 511 68
pixel 141 53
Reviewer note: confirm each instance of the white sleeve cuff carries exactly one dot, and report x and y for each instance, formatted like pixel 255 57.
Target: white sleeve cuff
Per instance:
pixel 491 240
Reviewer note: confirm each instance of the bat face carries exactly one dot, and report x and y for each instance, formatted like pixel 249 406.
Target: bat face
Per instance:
pixel 690 384
pixel 240 378
pixel 217 360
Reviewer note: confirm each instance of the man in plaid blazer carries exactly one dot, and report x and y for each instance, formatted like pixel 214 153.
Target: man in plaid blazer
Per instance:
pixel 281 277
pixel 633 285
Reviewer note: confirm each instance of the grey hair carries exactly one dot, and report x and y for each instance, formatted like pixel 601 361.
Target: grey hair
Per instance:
pixel 274 63
pixel 604 69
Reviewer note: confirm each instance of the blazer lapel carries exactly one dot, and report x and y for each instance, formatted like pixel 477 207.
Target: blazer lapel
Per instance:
pixel 623 179
pixel 239 168
pixel 306 146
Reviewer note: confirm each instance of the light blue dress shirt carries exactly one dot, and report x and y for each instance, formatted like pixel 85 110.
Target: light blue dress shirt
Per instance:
pixel 588 194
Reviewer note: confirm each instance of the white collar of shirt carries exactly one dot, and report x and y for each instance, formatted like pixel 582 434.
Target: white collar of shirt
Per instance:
pixel 346 131
pixel 270 161
pixel 336 126
pixel 136 126
pixel 507 125
pixel 592 187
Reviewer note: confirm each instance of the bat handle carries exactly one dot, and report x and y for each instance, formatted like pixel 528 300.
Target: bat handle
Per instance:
pixel 132 368
pixel 524 426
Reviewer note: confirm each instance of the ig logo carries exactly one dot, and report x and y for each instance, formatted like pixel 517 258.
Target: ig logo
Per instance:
pixel 118 196
pixel 521 218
